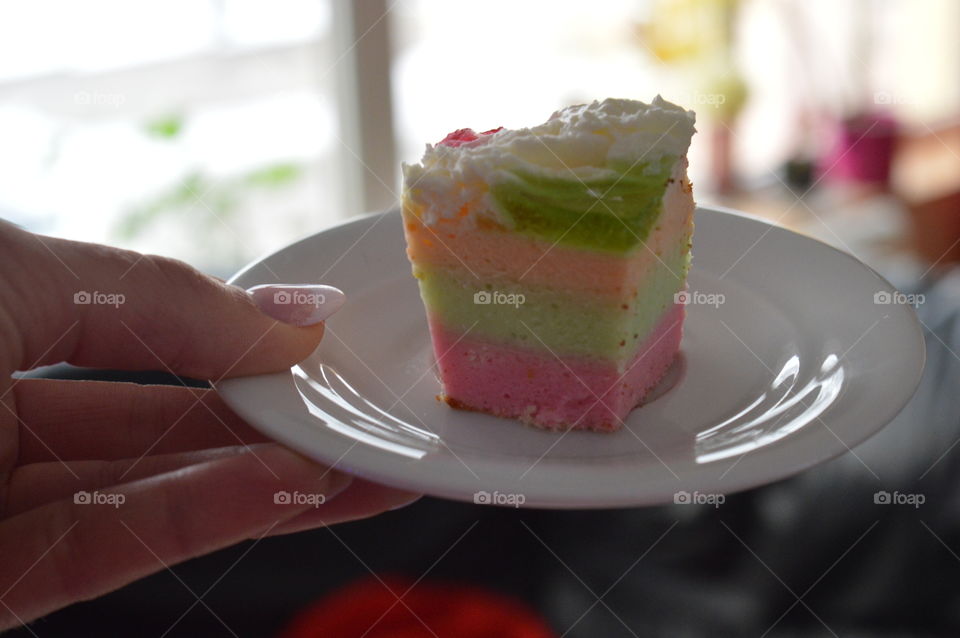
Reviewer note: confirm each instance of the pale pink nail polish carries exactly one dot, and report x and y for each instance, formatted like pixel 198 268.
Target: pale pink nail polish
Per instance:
pixel 412 500
pixel 297 304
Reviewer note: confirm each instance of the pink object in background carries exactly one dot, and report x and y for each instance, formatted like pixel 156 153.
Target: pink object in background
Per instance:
pixel 863 152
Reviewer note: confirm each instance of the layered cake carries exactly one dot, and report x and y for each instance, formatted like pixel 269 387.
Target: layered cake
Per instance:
pixel 550 260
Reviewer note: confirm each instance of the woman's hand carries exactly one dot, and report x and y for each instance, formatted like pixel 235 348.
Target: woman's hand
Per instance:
pixel 103 483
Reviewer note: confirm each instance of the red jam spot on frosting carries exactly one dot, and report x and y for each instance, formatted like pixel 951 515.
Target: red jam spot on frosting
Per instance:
pixel 464 135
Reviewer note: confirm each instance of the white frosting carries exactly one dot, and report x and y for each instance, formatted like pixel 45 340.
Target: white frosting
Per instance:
pixel 579 141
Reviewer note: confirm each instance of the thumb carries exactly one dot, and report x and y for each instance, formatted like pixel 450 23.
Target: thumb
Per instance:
pixel 100 306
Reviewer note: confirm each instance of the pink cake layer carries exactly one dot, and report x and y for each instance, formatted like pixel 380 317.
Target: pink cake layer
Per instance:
pixel 550 392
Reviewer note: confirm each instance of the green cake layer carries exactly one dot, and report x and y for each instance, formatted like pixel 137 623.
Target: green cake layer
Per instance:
pixel 610 210
pixel 566 323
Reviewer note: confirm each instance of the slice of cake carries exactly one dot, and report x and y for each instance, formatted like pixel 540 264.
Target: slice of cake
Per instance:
pixel 549 260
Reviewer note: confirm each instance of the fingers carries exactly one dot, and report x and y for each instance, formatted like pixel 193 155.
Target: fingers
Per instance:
pixel 79 420
pixel 100 306
pixel 88 435
pixel 64 552
pixel 37 484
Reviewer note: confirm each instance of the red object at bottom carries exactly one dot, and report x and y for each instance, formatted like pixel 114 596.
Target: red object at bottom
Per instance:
pixel 430 610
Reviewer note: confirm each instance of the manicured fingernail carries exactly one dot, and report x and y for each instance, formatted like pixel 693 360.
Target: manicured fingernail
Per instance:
pixel 337 482
pixel 413 499
pixel 297 304
pixel 301 475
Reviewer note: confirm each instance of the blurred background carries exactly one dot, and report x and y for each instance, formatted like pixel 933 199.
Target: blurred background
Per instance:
pixel 218 130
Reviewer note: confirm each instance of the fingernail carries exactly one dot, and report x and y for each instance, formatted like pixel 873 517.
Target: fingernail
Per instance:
pixel 413 499
pixel 303 473
pixel 298 304
pixel 337 482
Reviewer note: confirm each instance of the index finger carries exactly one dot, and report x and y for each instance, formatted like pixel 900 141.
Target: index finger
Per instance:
pixel 100 306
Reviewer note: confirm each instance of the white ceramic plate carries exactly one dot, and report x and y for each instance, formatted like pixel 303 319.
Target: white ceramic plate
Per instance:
pixel 798 364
